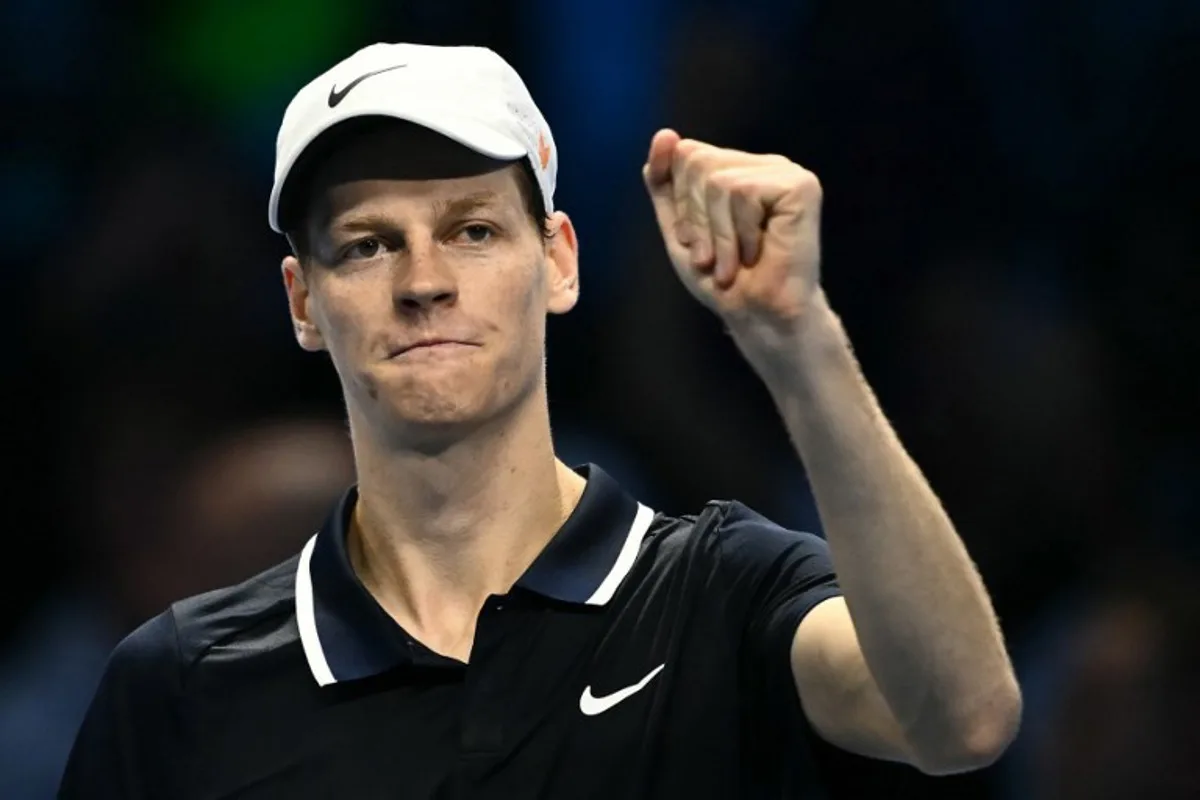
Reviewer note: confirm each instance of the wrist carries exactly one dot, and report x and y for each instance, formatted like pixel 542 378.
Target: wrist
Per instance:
pixel 787 355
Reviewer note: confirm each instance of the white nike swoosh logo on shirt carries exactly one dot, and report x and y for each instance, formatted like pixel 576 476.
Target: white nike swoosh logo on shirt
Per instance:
pixel 592 705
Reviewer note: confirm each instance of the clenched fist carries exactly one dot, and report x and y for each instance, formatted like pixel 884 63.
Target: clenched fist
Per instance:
pixel 742 230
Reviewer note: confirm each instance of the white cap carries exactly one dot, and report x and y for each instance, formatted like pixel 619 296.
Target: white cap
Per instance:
pixel 468 94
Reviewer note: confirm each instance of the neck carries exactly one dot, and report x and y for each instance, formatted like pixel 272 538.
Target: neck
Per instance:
pixel 433 535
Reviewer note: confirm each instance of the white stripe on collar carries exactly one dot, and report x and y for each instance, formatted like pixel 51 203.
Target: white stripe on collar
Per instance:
pixel 306 618
pixel 625 559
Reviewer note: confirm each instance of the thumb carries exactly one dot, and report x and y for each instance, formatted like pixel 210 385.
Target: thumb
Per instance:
pixel 657 175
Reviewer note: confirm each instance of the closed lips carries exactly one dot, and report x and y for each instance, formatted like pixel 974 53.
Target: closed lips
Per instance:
pixel 429 343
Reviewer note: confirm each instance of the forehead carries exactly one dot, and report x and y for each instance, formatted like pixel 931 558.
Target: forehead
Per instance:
pixel 398 159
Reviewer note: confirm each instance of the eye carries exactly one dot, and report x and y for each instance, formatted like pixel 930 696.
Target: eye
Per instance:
pixel 476 233
pixel 363 249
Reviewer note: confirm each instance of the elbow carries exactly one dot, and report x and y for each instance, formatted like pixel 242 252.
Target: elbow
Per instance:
pixel 981 741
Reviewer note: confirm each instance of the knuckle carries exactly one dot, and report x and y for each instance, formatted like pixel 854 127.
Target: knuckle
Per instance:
pixel 700 156
pixel 807 183
pixel 742 187
pixel 812 185
pixel 689 151
pixel 716 187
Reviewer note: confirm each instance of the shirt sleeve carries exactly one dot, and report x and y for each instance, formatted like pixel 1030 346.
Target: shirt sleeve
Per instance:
pixel 774 577
pixel 126 746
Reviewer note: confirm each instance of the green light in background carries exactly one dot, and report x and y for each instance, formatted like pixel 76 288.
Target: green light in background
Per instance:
pixel 232 53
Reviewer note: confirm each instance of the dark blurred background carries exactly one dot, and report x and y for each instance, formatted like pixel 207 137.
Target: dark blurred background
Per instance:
pixel 1012 230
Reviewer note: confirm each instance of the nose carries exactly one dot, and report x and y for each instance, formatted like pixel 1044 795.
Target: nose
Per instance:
pixel 423 282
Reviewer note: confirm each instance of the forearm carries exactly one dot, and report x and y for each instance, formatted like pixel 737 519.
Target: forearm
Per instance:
pixel 922 615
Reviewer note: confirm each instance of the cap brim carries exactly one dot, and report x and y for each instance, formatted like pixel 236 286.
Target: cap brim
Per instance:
pixel 468 132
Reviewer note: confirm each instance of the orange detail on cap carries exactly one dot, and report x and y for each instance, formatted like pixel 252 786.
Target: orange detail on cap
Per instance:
pixel 543 151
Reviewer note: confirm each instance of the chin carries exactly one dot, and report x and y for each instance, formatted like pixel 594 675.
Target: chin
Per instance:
pixel 433 409
pixel 437 412
pixel 434 417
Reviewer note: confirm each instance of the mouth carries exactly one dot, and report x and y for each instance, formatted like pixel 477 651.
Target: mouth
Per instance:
pixel 430 346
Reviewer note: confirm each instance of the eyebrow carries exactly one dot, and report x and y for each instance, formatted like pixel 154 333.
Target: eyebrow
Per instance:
pixel 373 222
pixel 360 223
pixel 460 206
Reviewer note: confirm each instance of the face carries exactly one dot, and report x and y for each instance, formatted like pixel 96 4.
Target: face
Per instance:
pixel 427 283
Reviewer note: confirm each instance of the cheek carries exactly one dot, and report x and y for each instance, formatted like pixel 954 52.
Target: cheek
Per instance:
pixel 535 293
pixel 527 304
pixel 515 310
pixel 344 319
pixel 513 300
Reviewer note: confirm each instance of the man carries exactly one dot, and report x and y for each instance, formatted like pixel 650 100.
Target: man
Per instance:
pixel 477 619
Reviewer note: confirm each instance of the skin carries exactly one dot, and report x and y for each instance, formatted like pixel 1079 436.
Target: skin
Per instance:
pixel 910 664
pixel 459 485
pixel 415 239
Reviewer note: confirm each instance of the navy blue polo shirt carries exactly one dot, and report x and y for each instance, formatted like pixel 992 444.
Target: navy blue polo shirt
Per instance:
pixel 640 655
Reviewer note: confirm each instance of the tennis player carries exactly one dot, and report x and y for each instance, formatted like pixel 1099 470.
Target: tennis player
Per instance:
pixel 477 618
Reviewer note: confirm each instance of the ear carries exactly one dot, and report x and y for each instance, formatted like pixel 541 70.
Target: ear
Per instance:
pixel 562 257
pixel 299 299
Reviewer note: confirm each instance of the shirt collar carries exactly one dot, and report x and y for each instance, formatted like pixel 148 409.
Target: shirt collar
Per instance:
pixel 346 635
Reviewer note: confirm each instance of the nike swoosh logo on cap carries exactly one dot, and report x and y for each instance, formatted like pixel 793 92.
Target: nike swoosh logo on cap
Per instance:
pixel 591 705
pixel 336 96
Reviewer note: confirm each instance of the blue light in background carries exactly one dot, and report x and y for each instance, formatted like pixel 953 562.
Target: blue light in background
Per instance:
pixel 47 44
pixel 33 196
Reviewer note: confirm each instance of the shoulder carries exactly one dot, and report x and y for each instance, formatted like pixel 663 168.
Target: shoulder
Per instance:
pixel 133 739
pixel 173 642
pixel 759 569
pixel 251 609
pixel 149 669
pixel 735 534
